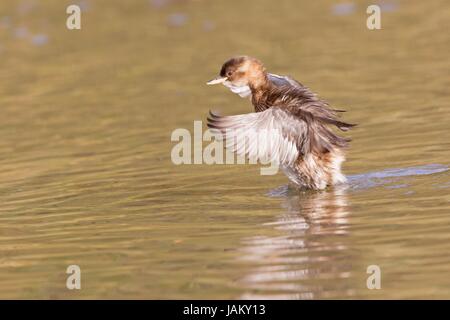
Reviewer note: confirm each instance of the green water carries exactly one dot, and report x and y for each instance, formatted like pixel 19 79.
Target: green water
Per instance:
pixel 87 179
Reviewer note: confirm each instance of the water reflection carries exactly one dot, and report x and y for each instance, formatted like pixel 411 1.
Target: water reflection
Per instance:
pixel 309 259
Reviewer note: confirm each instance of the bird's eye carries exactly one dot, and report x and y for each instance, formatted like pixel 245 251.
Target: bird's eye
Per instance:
pixel 229 73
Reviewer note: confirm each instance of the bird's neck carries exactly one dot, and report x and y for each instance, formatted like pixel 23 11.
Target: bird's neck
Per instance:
pixel 260 87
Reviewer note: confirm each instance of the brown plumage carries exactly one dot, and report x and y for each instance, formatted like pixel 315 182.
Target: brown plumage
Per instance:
pixel 298 121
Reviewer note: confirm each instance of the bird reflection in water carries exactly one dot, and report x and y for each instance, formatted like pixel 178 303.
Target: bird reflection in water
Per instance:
pixel 308 257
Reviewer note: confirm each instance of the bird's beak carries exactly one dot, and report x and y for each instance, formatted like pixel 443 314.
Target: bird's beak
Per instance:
pixel 216 81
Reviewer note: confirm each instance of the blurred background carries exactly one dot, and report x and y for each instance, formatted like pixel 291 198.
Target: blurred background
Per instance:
pixel 86 176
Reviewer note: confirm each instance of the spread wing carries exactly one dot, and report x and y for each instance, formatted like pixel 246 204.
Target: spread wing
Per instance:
pixel 273 134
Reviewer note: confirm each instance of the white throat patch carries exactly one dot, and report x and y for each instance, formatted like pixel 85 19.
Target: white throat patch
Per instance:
pixel 242 91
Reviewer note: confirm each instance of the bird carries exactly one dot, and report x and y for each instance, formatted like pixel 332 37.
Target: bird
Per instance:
pixel 290 125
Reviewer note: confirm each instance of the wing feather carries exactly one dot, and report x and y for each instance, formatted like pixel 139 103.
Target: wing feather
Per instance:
pixel 272 135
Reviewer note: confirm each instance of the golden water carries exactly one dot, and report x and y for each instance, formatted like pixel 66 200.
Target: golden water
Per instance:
pixel 86 176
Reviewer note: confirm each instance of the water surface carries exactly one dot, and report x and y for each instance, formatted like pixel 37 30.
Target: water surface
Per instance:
pixel 85 152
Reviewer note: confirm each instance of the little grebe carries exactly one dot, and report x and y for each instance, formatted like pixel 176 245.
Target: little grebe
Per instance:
pixel 308 151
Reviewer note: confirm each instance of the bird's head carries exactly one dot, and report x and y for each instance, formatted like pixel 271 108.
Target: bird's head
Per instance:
pixel 241 72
